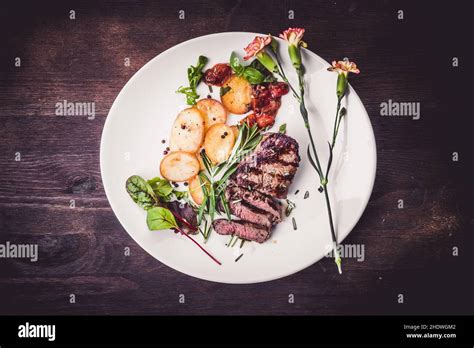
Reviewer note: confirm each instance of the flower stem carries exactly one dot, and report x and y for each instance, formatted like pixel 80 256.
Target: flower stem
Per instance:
pixel 284 78
pixel 336 123
pixel 282 74
pixel 323 179
pixel 337 258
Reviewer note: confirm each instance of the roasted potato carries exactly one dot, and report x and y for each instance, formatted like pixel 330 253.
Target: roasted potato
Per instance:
pixel 195 189
pixel 212 111
pixel 238 98
pixel 188 130
pixel 219 142
pixel 201 163
pixel 179 166
pixel 235 129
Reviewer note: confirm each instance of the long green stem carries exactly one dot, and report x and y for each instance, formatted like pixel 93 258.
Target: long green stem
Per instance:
pixel 284 78
pixel 323 180
pixel 336 123
pixel 337 257
pixel 282 74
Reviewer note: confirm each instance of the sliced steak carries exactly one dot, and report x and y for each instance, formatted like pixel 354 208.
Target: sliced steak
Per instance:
pixel 256 199
pixel 242 229
pixel 251 190
pixel 271 167
pixel 280 168
pixel 270 184
pixel 247 212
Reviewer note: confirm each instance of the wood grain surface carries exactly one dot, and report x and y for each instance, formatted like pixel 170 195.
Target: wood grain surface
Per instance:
pixel 409 251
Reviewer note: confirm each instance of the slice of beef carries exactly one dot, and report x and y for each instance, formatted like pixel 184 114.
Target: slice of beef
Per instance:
pixel 281 168
pixel 242 229
pixel 270 184
pixel 274 147
pixel 271 167
pixel 249 213
pixel 257 199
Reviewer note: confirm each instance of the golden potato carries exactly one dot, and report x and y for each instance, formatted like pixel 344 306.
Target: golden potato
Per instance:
pixel 235 129
pixel 179 166
pixel 187 132
pixel 201 163
pixel 212 111
pixel 195 189
pixel 219 142
pixel 238 98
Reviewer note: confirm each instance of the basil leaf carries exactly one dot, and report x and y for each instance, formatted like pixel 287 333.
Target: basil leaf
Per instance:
pixel 282 129
pixel 253 76
pixel 159 218
pixel 141 192
pixel 224 90
pixel 269 77
pixel 234 62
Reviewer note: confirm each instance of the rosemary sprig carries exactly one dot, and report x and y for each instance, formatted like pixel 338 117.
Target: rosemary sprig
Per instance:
pixel 289 208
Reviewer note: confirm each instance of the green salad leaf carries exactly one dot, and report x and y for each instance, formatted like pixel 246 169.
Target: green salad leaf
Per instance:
pixel 161 187
pixel 159 218
pixel 195 74
pixel 141 192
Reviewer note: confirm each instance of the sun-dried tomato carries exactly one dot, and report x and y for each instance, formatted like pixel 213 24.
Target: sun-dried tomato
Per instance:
pixel 265 120
pixel 278 89
pixel 217 75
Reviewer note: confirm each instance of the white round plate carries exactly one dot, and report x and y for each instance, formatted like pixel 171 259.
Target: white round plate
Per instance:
pixel 142 116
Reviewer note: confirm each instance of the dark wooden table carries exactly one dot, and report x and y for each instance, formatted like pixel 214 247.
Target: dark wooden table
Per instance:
pixel 409 251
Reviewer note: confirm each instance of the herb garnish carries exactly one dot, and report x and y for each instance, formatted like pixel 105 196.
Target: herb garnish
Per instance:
pixel 224 90
pixel 289 208
pixel 255 73
pixel 282 129
pixel 294 223
pixel 216 176
pixel 240 256
pixel 194 77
